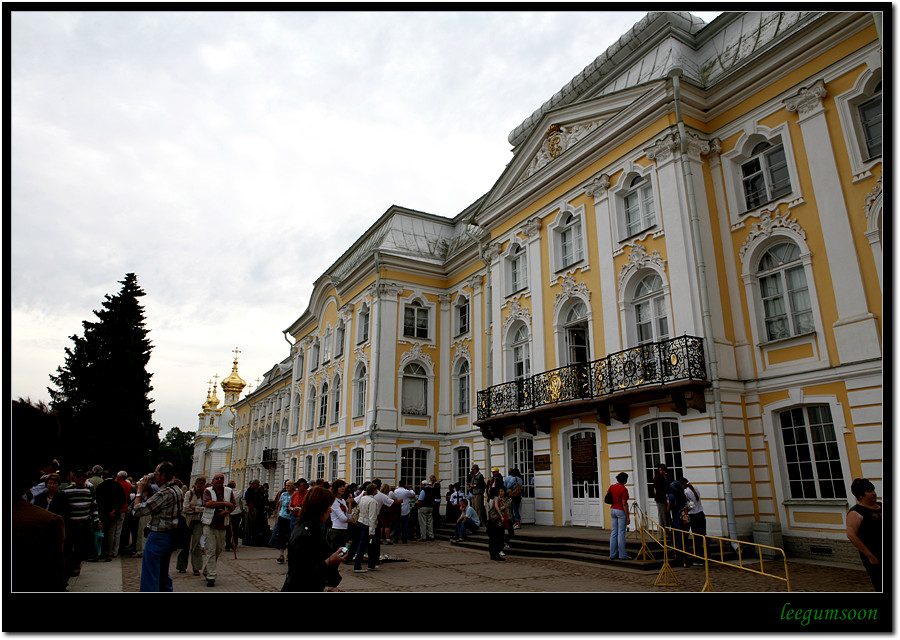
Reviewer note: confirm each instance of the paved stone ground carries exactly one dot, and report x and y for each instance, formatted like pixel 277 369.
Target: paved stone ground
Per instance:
pixel 443 567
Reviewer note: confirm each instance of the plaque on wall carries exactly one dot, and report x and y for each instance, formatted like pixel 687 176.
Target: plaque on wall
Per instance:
pixel 542 462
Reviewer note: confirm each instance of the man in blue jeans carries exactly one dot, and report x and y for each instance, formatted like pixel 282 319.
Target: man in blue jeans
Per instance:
pixel 467 521
pixel 163 508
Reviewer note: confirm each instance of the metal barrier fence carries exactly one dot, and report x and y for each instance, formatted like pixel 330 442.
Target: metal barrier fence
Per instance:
pixel 708 549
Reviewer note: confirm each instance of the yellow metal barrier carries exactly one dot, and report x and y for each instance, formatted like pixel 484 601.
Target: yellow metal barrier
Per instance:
pixel 703 547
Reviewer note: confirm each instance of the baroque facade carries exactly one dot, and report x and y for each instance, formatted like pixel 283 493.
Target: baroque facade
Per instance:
pixel 682 263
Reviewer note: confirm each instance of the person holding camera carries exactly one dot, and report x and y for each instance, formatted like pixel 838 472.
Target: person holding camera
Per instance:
pixel 311 564
pixel 162 507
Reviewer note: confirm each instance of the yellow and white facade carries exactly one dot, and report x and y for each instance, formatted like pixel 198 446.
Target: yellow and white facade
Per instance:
pixel 682 262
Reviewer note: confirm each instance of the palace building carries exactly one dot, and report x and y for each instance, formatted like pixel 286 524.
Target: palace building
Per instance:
pixel 681 263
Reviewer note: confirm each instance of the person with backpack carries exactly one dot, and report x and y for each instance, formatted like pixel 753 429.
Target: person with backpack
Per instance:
pixel 515 486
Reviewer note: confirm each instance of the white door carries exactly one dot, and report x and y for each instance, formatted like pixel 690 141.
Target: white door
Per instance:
pixel 585 496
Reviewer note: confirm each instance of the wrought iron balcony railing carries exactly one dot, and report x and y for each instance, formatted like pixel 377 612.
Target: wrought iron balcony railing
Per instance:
pixel 649 364
pixel 269 457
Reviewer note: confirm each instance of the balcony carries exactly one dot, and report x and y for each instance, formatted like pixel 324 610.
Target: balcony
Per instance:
pixel 269 458
pixel 672 370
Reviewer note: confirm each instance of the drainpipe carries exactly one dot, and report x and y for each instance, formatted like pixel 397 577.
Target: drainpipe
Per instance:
pixel 488 301
pixel 376 360
pixel 711 356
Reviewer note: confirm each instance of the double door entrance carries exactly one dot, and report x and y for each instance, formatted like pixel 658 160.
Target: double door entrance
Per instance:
pixel 584 490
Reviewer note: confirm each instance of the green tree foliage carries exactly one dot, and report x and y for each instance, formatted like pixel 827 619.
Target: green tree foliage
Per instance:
pixel 177 447
pixel 102 389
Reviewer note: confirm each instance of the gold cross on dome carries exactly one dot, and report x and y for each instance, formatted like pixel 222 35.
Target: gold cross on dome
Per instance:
pixel 236 352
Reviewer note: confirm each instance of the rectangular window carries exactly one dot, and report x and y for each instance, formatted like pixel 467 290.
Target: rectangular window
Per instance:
pixel 415 322
pixel 333 464
pixel 309 469
pixel 311 412
pixel 463 394
pixel 323 408
pixel 358 466
pixel 415 396
pixel 662 443
pixel 339 341
pixel 517 273
pixel 870 119
pixel 811 453
pixel 336 403
pixel 363 325
pixel 293 469
pixel 463 317
pixel 463 464
pixel 570 243
pixel 413 466
pixel 320 466
pixel 360 398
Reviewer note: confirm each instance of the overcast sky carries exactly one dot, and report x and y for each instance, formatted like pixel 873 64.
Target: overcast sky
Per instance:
pixel 228 159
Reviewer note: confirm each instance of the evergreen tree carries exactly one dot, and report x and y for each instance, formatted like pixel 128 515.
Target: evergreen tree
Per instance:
pixel 102 390
pixel 177 447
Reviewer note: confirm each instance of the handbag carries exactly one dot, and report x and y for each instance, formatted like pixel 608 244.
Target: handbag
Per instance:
pixel 608 499
pixel 354 515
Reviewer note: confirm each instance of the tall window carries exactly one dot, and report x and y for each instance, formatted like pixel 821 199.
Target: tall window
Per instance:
pixel 870 121
pixel 363 329
pixel 339 340
pixel 359 391
pixel 570 241
pixel 323 406
pixel 765 175
pixel 309 469
pixel 314 361
pixel 577 344
pixel 521 353
pixel 336 399
pixel 359 465
pixel 650 315
pixel 462 315
pixel 462 388
pixel 415 390
pixel 320 466
pixel 413 467
pixel 293 475
pixel 326 346
pixel 640 212
pixel 333 466
pixel 662 443
pixel 299 366
pixel 415 321
pixel 298 410
pixel 811 453
pixel 311 409
pixel 785 295
pixel 521 456
pixel 518 263
pixel 462 463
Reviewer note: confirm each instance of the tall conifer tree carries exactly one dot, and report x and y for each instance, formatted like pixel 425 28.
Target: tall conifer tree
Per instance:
pixel 102 389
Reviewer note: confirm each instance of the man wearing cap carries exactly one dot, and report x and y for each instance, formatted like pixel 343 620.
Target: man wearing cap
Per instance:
pixel 426 509
pixel 477 485
pixel 660 493
pixel 495 483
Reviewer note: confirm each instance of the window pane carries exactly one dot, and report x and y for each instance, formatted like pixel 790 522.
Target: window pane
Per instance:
pixel 870 118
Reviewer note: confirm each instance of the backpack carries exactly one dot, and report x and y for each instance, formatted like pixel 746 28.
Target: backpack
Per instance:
pixel 516 491
pixel 181 533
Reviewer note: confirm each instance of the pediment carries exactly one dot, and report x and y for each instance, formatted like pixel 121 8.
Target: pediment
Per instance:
pixel 561 136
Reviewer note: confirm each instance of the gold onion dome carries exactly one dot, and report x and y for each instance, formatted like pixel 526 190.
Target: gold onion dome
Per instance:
pixel 233 383
pixel 208 404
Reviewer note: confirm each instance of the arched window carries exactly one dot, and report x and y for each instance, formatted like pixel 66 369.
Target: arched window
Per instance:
pixel 517 262
pixel 520 351
pixel 309 469
pixel 323 406
pixel 336 399
pixel 577 340
pixel 462 387
pixel 462 314
pixel 359 391
pixel 333 466
pixel 362 329
pixel 298 410
pixel 314 360
pixel 638 206
pixel 311 409
pixel 765 174
pixel 415 390
pixel 650 313
pixel 784 293
pixel 339 340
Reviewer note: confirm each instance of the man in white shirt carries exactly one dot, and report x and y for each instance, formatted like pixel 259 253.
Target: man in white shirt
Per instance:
pixel 403 494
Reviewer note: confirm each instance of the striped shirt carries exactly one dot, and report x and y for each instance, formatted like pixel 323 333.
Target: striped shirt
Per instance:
pixel 162 506
pixel 82 505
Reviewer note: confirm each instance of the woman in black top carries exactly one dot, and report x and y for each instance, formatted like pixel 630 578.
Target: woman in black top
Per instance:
pixel 311 564
pixel 54 500
pixel 864 528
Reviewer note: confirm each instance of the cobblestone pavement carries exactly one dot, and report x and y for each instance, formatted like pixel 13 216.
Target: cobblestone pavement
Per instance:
pixel 443 567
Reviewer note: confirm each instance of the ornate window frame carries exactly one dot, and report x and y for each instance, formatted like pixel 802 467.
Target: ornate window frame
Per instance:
pixel 848 111
pixel 431 310
pixel 556 228
pixel 640 264
pixel 624 189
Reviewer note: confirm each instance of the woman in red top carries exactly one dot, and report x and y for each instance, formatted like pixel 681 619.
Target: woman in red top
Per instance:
pixel 620 518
